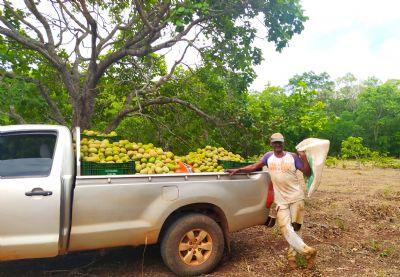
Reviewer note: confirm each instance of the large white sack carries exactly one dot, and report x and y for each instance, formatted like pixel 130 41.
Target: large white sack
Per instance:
pixel 316 151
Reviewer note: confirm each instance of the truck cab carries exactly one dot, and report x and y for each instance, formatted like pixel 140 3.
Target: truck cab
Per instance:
pixel 36 167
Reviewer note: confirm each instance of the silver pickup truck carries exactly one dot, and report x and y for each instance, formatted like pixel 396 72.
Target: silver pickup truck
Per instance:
pixel 47 208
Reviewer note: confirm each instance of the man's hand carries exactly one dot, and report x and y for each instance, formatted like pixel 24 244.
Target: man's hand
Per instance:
pixel 306 166
pixel 302 155
pixel 232 171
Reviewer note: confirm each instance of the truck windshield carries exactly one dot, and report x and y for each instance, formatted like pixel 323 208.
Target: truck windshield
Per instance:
pixel 26 154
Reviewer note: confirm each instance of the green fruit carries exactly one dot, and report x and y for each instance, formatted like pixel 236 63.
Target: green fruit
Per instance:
pixel 129 146
pixel 153 153
pixel 109 159
pixel 144 171
pixel 171 166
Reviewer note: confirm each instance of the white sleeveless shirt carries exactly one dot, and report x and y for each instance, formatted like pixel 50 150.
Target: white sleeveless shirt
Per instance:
pixel 287 187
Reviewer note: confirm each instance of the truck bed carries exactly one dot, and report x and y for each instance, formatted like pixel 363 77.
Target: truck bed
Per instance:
pixel 121 210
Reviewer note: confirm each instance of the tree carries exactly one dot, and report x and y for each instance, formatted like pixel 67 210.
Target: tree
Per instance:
pixel 339 128
pixel 379 114
pixel 297 116
pixel 84 40
pixel 353 148
pixel 321 83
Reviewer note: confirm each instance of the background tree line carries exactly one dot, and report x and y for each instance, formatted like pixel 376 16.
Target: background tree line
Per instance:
pixel 97 64
pixel 310 105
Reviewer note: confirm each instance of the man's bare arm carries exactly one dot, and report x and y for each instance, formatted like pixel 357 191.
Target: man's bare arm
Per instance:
pixel 246 169
pixel 306 166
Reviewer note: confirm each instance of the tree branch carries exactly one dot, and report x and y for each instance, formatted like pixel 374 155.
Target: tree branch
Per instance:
pixel 20 18
pixel 140 44
pixel 143 15
pixel 13 114
pixel 178 37
pixel 165 78
pixel 161 100
pixel 30 4
pixel 64 8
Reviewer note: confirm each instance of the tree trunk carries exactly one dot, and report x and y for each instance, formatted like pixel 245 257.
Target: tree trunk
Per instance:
pixel 81 117
pixel 83 107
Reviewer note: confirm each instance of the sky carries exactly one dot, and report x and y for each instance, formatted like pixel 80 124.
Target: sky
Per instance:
pixel 341 36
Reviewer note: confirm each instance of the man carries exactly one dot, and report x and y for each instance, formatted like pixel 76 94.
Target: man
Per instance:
pixel 288 195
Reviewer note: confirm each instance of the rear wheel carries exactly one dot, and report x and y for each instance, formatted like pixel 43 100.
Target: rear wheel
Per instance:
pixel 192 245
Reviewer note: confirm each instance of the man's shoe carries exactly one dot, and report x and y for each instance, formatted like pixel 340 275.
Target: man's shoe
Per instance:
pixel 270 222
pixel 311 257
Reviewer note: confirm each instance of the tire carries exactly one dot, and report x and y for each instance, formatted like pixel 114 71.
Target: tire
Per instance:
pixel 185 256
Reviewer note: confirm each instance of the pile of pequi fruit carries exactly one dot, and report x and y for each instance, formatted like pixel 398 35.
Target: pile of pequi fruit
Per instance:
pixel 148 158
pixel 91 133
pixel 206 159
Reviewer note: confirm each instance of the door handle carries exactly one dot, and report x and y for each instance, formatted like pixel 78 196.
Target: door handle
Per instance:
pixel 38 192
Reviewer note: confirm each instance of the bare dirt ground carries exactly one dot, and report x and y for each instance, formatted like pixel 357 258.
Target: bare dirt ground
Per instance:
pixel 353 220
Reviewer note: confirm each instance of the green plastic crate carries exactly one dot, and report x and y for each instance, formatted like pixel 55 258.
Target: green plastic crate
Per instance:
pixel 233 164
pixel 91 168
pixel 110 139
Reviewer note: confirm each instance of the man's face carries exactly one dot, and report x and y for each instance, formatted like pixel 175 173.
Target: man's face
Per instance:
pixel 277 146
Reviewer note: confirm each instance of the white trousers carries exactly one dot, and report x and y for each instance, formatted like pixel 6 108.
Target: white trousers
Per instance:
pixel 286 215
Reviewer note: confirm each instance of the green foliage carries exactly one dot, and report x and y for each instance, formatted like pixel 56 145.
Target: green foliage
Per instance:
pixel 331 161
pixel 385 162
pixel 297 115
pixel 321 83
pixel 378 114
pixel 353 148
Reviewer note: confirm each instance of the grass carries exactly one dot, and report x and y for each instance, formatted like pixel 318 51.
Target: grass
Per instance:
pixel 375 162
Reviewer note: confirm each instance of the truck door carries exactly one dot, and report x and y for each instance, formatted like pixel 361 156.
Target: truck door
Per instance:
pixel 29 195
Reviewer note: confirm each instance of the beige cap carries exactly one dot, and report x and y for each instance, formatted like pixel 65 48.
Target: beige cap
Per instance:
pixel 277 137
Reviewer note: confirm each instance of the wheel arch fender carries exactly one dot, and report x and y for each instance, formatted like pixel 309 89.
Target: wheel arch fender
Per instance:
pixel 211 210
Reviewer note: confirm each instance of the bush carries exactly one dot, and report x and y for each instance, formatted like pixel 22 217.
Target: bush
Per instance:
pixel 386 162
pixel 352 148
pixel 331 161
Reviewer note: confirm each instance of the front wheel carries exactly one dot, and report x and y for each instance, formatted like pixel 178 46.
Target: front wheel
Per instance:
pixel 192 245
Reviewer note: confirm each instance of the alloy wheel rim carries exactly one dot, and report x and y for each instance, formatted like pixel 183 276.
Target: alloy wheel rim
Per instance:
pixel 195 247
